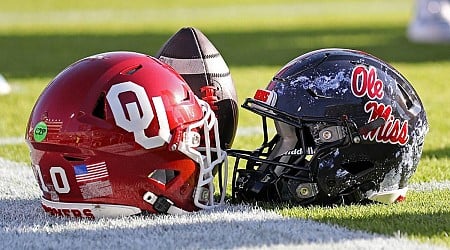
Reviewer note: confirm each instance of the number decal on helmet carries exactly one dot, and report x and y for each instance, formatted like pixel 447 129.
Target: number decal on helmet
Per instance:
pixel 64 187
pixel 61 186
pixel 136 122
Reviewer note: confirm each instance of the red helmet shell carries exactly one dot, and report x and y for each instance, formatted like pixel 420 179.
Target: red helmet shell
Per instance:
pixel 104 125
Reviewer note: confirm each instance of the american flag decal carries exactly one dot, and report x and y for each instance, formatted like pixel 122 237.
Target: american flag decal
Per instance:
pixel 91 172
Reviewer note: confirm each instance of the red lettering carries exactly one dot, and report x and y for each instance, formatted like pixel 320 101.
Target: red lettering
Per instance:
pixel 262 95
pixel 46 209
pixel 88 213
pixel 66 212
pixel 76 213
pixel 378 110
pixel 365 82
pixel 56 212
pixel 387 127
pixel 393 131
pixel 403 137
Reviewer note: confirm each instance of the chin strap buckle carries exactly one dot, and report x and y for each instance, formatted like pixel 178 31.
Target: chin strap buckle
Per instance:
pixel 162 205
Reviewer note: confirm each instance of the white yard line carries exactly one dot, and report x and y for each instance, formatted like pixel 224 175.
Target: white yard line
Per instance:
pixel 429 186
pixel 23 225
pixel 11 140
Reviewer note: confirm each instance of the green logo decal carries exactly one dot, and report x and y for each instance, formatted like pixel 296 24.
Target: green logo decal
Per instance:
pixel 40 131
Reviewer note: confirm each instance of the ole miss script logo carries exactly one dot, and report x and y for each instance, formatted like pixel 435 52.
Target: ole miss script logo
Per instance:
pixel 366 83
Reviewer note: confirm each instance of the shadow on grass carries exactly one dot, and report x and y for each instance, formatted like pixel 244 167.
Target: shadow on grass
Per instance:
pixel 432 225
pixel 437 153
pixel 45 55
pixel 424 215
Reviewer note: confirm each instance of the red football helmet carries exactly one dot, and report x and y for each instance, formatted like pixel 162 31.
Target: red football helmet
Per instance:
pixel 121 133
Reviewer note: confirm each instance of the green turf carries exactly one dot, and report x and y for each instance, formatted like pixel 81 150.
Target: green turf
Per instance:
pixel 425 217
pixel 39 38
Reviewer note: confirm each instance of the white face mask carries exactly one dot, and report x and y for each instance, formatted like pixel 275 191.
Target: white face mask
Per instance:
pixel 208 157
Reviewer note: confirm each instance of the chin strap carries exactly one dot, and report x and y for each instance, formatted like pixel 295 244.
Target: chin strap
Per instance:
pixel 162 205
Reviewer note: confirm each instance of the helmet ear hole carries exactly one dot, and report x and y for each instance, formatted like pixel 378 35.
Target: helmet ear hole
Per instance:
pixel 358 167
pixel 163 176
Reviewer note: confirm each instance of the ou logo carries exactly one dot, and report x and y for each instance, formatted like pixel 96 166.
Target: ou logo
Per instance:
pixel 136 123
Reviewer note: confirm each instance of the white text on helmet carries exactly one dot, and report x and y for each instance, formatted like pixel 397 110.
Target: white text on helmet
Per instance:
pixel 136 122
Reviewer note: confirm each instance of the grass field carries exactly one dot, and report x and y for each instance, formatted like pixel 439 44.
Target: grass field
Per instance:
pixel 40 38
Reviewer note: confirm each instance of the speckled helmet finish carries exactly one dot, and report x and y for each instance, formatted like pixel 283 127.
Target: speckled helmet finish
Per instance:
pixel 349 128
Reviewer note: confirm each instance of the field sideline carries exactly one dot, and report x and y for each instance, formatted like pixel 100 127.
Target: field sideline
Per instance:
pixel 39 38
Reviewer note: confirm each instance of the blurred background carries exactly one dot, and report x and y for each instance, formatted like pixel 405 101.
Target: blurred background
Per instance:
pixel 39 38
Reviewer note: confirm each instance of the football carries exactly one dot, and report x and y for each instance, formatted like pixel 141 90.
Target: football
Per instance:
pixel 201 65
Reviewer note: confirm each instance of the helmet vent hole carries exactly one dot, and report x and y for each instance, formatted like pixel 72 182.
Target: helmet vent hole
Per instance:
pixel 99 109
pixel 406 97
pixel 163 176
pixel 357 167
pixel 73 158
pixel 133 70
pixel 188 97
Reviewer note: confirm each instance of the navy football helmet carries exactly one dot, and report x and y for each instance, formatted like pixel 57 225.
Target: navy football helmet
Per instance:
pixel 349 129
